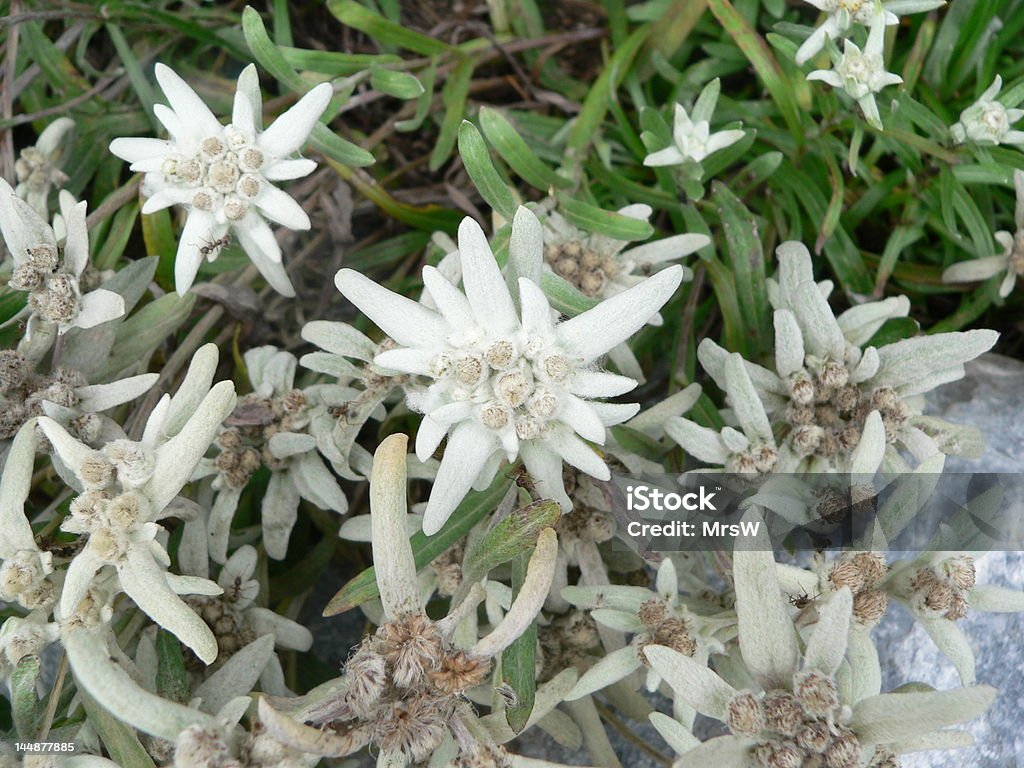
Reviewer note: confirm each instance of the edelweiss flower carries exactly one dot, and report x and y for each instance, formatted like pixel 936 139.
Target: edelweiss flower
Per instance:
pixel 835 404
pixel 233 616
pixel 658 617
pixel 862 74
pixel 222 175
pixel 49 262
pixel 843 14
pixel 270 427
pixel 802 712
pixel 988 121
pixel 37 168
pixel 506 380
pixel 747 451
pixel 691 133
pixel 126 488
pixel 1010 262
pixel 403 690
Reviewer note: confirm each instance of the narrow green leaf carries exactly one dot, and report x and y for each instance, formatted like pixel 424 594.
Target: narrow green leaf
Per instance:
pixel 779 85
pixel 121 743
pixel 518 662
pixel 401 85
pixel 563 296
pixel 158 235
pixel 453 96
pixel 512 536
pixel 140 83
pixel 171 677
pixel 587 123
pixel 380 29
pixel 514 150
pixel 140 334
pixel 267 53
pixel 477 160
pixel 425 102
pixel 746 259
pixel 333 63
pixel 111 247
pixel 602 222
pixel 472 509
pixel 26 709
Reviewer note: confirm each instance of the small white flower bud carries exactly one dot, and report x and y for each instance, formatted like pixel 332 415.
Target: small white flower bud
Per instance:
pixel 470 370
pixel 556 367
pixel 190 172
pixel 495 416
pixel 205 199
pixel 527 428
pixel 513 388
pixel 212 148
pixel 543 404
pixel 96 471
pixel 782 713
pixel 42 257
pixel 235 209
pixel 250 160
pixel 816 693
pixel 25 277
pixel 248 186
pixel 744 715
pixel 222 176
pixel 500 354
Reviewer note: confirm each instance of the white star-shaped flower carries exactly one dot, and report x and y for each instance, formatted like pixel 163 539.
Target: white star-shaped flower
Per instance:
pixel 223 175
pixel 503 378
pixel 49 261
pixel 862 74
pixel 988 121
pixel 691 133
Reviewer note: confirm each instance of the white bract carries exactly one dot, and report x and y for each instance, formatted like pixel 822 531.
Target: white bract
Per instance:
pixel 692 139
pixel 843 14
pixel 403 690
pixel 223 175
pixel 49 262
pixel 501 377
pixel 37 168
pixel 1010 263
pixel 126 487
pixel 833 402
pixel 803 709
pixel 988 121
pixel 862 74
pixel 271 428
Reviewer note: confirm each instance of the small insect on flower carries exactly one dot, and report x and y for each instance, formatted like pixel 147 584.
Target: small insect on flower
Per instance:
pixel 802 600
pixel 210 249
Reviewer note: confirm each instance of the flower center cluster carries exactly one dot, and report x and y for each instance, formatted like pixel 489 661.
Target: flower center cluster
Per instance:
pixel 53 294
pixel 244 444
pixel 225 174
pixel 23 580
pixel 862 572
pixel 227 623
pixel 22 392
pixel 516 383
pixel 570 640
pixel 663 627
pixel 943 590
pixel 586 270
pixel 857 70
pixel 796 729
pixel 994 120
pixel 405 681
pixel 827 412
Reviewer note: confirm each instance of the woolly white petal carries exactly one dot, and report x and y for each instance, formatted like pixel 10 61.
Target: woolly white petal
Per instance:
pixel 97 307
pixel 404 320
pixel 469 447
pixel 614 320
pixel 94 398
pixel 290 130
pixel 280 510
pixel 199 229
pixel 285 170
pixel 281 208
pixel 393 560
pixel 485 287
pixel 189 108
